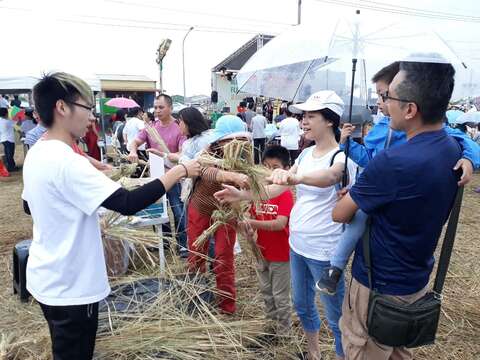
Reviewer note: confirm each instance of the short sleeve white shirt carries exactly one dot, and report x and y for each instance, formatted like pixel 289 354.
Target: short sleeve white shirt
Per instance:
pixel 7 132
pixel 66 264
pixel 131 130
pixel 259 122
pixel 313 233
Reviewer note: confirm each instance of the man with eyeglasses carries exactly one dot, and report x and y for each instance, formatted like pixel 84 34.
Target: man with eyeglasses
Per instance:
pixel 408 191
pixel 66 271
pixel 382 136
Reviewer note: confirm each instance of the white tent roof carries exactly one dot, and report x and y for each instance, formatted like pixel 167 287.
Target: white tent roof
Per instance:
pixel 18 84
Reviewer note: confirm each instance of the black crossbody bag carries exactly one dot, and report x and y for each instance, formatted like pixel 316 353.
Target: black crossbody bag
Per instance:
pixel 412 325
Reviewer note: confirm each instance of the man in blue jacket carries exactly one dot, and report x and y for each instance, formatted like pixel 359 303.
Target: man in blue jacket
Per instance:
pixel 382 136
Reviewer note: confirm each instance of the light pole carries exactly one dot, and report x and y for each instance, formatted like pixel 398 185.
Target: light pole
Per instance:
pixel 183 61
pixel 161 52
pixel 299 12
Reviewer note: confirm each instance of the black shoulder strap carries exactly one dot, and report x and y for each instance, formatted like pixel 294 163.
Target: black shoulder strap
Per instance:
pixel 366 252
pixel 345 177
pixel 333 157
pixel 446 251
pixel 448 241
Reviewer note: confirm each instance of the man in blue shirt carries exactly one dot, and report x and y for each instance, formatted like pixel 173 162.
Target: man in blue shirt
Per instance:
pixel 408 191
pixel 382 136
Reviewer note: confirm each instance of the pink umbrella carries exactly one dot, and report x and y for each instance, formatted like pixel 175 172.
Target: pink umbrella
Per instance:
pixel 122 103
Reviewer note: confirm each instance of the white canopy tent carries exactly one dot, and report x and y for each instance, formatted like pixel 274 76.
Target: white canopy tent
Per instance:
pixel 25 84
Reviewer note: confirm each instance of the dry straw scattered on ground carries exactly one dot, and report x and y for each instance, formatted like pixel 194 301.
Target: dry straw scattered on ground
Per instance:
pixel 165 330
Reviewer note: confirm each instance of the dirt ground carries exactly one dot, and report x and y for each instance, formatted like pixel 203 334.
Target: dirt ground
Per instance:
pixel 458 336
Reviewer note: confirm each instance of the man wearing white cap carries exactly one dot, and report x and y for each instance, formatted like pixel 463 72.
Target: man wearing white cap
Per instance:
pixel 313 234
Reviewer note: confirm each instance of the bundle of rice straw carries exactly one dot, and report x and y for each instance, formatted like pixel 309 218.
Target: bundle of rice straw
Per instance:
pixel 124 170
pixel 237 157
pixel 121 241
pixel 157 138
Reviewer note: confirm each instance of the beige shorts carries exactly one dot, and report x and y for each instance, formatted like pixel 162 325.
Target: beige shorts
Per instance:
pixel 357 345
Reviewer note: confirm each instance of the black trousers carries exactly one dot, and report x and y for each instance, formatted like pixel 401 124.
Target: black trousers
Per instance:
pixel 9 149
pixel 259 148
pixel 73 330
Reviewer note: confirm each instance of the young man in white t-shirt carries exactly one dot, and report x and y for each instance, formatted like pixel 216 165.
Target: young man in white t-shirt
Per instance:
pixel 66 271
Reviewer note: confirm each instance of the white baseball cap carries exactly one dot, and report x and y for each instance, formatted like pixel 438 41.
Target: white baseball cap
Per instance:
pixel 325 99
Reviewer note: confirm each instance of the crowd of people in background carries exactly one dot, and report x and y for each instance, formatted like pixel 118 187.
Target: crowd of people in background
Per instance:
pixel 306 236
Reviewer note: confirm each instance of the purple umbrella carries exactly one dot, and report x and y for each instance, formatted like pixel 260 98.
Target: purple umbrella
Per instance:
pixel 122 103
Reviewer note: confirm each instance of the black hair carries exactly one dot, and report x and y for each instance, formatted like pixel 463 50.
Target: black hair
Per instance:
pixel 333 118
pixel 29 113
pixel 429 86
pixel 277 152
pixel 120 115
pixel 194 121
pixel 287 111
pixel 167 98
pixel 461 127
pixel 150 116
pixel 387 73
pixel 134 111
pixel 47 92
pixel 3 112
pixel 243 104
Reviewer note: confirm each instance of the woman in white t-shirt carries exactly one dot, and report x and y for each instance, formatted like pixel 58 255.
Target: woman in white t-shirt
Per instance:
pixel 313 234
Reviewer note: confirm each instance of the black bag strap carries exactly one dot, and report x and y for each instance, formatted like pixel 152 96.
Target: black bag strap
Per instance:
pixel 446 251
pixel 333 157
pixel 345 178
pixel 448 241
pixel 366 252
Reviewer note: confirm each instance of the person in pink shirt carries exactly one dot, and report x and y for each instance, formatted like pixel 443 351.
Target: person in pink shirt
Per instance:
pixel 170 132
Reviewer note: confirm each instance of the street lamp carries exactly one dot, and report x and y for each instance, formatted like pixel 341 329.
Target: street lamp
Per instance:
pixel 183 61
pixel 161 52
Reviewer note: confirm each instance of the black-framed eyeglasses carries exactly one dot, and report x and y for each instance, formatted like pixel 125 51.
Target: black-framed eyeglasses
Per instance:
pixel 86 107
pixel 386 97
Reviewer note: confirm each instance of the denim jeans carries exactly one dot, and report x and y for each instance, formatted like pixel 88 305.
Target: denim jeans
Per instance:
pixel 347 243
pixel 9 149
pixel 305 273
pixel 179 212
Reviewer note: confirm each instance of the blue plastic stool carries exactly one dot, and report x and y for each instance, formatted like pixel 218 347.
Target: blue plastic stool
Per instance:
pixel 20 258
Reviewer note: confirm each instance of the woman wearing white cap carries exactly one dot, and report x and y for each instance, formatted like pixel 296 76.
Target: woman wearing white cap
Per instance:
pixel 313 234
